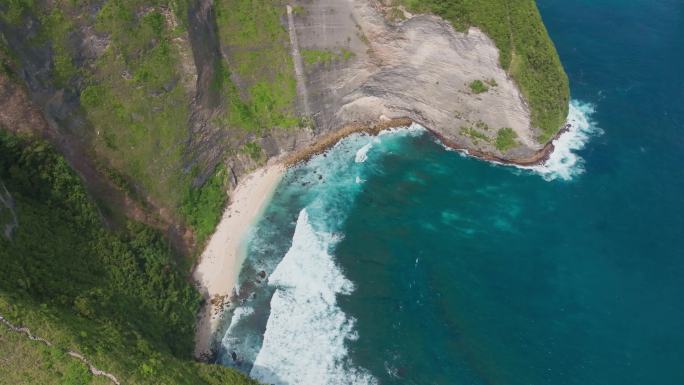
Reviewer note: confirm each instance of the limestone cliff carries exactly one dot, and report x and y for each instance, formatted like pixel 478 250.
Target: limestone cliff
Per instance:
pixel 146 100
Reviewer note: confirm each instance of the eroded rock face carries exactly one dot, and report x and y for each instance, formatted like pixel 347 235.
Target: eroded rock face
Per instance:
pixel 420 68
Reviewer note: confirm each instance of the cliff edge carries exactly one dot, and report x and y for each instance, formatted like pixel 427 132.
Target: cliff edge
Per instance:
pixel 362 67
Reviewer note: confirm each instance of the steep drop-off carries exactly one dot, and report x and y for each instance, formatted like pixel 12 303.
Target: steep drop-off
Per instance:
pixel 154 95
pixel 161 106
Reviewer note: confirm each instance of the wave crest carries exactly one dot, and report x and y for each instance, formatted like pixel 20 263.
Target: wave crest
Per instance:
pixel 563 162
pixel 362 153
pixel 306 331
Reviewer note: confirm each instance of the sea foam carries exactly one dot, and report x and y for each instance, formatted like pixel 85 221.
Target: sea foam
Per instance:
pixel 564 162
pixel 413 130
pixel 362 153
pixel 306 332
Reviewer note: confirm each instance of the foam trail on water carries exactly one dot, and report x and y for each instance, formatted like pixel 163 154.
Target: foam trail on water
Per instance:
pixel 298 334
pixel 306 331
pixel 239 314
pixel 413 130
pixel 362 153
pixel 564 163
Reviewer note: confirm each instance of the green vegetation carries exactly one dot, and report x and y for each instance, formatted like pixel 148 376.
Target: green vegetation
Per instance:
pixel 298 10
pixel 325 57
pixel 505 139
pixel 474 134
pixel 6 217
pixel 395 14
pixel 132 94
pixel 347 54
pixel 253 150
pixel 316 56
pixel 14 11
pixel 58 26
pixel 202 207
pixel 25 361
pixel 119 299
pixel 526 51
pixel 135 95
pixel 135 102
pixel 257 43
pixel 478 87
pixel 6 60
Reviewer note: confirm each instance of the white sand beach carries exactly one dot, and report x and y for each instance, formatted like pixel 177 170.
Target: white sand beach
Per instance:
pixel 219 265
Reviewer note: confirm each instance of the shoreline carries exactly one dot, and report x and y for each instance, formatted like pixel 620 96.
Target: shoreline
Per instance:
pixel 219 265
pixel 327 141
pixel 536 159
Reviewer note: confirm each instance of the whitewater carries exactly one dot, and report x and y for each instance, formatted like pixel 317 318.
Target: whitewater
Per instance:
pixel 305 335
pixel 304 305
pixel 564 163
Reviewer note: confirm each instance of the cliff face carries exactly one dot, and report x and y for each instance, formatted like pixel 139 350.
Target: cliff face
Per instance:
pixel 146 99
pixel 419 68
pixel 116 88
pixel 160 106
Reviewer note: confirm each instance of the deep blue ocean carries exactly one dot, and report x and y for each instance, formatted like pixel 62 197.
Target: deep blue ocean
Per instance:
pixel 391 260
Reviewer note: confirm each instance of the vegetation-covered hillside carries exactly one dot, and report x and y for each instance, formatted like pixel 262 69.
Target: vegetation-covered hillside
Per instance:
pixel 257 45
pixel 121 299
pixel 119 82
pixel 123 81
pixel 526 51
pixel 121 61
pixel 154 96
pixel 120 77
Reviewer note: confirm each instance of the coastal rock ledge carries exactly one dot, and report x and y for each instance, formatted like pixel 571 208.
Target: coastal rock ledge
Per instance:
pixel 419 68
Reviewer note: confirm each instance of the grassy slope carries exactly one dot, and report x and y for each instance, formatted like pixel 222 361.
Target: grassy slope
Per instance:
pixel 120 299
pixel 527 52
pixel 135 100
pixel 203 207
pixel 23 361
pixel 132 95
pixel 258 57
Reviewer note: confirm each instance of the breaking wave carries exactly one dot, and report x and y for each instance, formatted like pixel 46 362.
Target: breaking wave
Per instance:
pixel 564 163
pixel 362 153
pixel 306 332
pixel 306 335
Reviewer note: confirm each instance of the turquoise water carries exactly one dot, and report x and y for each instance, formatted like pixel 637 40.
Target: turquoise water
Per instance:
pixel 391 260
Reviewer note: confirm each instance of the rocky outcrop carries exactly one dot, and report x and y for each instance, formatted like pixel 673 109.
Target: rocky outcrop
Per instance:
pixel 412 68
pixel 419 68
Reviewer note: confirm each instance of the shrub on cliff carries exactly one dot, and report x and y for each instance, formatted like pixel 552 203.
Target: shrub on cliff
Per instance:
pixel 478 87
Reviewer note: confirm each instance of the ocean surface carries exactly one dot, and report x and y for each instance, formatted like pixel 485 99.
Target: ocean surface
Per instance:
pixel 391 260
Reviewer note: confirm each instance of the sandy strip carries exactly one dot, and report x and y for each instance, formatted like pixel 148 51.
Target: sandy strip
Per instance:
pixel 220 263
